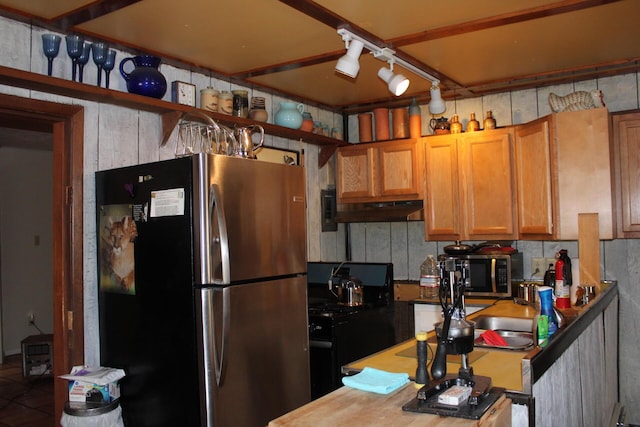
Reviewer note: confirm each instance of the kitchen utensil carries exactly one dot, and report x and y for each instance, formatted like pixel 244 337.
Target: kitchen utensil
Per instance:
pixel 83 59
pixel 108 66
pixel 74 50
pixel 246 147
pixel 440 125
pixel 351 293
pixel 458 248
pixel 289 115
pixel 51 47
pixel 526 294
pixel 99 53
pixel 145 79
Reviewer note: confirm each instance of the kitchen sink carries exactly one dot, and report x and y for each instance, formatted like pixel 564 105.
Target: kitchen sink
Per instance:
pixel 499 323
pixel 515 331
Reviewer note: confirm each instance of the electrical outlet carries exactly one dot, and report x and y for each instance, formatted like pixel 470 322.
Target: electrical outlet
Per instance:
pixel 538 267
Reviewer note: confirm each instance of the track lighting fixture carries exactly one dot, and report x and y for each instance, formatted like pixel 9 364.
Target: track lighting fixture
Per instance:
pixel 397 83
pixel 349 65
pixel 436 105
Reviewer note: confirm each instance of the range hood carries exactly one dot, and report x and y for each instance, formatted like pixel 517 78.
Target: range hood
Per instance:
pixel 380 212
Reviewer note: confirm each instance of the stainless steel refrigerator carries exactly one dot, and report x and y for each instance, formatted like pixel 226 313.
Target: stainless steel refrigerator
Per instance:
pixel 202 289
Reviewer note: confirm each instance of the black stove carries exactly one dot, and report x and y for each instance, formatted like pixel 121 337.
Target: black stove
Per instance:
pixel 339 333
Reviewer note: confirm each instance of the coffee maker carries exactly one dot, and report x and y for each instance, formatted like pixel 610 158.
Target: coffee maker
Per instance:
pixel 455 335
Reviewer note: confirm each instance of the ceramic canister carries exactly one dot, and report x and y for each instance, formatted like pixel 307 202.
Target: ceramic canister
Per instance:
pixel 381 116
pixel 400 123
pixel 209 99
pixel 364 127
pixel 225 103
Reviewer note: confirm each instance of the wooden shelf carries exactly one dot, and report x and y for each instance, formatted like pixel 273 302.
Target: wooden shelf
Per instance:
pixel 171 112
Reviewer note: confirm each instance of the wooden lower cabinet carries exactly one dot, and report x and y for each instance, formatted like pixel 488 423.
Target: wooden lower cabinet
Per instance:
pixel 470 186
pixel 626 155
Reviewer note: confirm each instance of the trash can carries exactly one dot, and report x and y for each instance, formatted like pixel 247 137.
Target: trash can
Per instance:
pixel 80 414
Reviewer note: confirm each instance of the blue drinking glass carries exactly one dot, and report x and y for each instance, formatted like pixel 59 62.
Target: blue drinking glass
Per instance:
pixel 108 66
pixel 74 50
pixel 100 51
pixel 83 59
pixel 51 47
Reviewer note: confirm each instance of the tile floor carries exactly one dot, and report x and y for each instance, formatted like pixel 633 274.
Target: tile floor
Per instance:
pixel 24 402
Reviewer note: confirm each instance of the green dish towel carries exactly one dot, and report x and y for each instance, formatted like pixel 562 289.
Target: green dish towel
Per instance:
pixel 376 381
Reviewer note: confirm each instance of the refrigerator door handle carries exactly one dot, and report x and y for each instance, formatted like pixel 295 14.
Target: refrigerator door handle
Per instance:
pixel 219 240
pixel 218 353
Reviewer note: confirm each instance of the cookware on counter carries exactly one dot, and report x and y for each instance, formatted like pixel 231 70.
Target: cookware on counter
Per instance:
pixel 496 247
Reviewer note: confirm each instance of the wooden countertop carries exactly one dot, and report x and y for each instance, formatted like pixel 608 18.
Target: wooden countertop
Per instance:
pixel 503 366
pixel 355 408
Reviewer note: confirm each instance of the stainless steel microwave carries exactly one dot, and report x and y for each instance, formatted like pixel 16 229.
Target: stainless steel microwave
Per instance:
pixel 491 274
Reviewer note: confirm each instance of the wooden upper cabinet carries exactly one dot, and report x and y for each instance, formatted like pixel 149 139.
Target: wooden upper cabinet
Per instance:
pixel 583 171
pixel 533 166
pixel 563 168
pixel 378 172
pixel 442 189
pixel 626 155
pixel 356 169
pixel 470 186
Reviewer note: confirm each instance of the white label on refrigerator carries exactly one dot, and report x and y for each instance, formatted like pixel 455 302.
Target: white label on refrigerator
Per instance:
pixel 167 202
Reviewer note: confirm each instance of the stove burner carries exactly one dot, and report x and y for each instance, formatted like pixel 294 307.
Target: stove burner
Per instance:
pixel 329 308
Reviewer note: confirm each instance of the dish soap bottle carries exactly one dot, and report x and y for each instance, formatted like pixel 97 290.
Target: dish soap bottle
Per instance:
pixel 429 278
pixel 546 309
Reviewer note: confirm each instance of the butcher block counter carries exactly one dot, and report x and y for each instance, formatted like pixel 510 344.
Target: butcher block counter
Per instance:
pixel 355 408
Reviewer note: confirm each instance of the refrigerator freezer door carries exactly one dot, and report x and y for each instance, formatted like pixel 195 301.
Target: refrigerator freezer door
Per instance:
pixel 260 206
pixel 255 355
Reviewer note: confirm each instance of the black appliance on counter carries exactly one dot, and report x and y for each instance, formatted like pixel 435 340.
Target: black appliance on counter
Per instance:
pixel 340 333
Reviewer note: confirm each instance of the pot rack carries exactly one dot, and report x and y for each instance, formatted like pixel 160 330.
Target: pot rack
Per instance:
pixel 171 112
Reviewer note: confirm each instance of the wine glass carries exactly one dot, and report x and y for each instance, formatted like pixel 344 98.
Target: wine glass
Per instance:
pixel 51 47
pixel 83 59
pixel 108 66
pixel 100 51
pixel 74 50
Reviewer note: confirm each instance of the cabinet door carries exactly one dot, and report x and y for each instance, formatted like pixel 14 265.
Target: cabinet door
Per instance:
pixel 356 170
pixel 488 185
pixel 533 168
pixel 442 193
pixel 584 181
pixel 400 172
pixel 626 132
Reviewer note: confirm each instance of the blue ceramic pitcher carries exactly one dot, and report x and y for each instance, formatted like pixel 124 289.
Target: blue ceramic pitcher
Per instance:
pixel 145 79
pixel 289 115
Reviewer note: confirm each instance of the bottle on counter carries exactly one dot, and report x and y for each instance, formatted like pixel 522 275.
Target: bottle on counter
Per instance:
pixel 546 309
pixel 429 278
pixel 563 280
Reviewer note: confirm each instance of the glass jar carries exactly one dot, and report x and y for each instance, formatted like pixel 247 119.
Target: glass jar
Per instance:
pixel 240 103
pixel 209 99
pixel 225 103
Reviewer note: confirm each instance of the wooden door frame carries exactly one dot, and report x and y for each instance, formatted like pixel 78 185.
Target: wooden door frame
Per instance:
pixel 66 123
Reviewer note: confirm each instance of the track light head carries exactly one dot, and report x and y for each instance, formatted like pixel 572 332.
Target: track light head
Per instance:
pixel 436 105
pixel 397 83
pixel 348 64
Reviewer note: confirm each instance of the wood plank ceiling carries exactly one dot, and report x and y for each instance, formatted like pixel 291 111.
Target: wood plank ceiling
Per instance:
pixel 290 47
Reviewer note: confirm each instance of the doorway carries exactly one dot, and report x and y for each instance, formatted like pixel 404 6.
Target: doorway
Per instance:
pixel 66 124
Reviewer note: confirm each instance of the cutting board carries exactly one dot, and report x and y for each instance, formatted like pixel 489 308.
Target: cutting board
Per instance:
pixel 589 250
